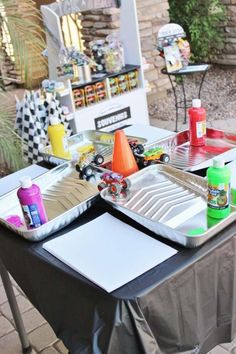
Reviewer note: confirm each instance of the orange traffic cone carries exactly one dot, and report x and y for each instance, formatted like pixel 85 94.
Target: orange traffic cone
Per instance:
pixel 123 160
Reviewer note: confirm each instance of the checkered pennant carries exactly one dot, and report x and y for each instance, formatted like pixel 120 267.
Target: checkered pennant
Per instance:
pixel 39 106
pixel 31 133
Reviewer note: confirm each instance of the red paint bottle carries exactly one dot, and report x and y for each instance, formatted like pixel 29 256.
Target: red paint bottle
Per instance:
pixel 197 123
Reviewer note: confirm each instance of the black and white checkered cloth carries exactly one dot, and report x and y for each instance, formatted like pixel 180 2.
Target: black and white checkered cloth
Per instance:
pixel 32 120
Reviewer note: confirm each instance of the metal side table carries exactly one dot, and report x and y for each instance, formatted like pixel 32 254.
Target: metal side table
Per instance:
pixel 185 103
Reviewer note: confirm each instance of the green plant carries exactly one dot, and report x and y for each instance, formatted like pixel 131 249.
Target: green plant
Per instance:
pixel 21 35
pixel 10 143
pixel 203 22
pixel 21 32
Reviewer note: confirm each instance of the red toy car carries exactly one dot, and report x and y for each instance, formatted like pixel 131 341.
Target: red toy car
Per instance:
pixel 115 182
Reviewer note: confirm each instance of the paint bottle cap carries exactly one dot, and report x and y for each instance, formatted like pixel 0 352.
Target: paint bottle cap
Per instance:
pixel 196 103
pixel 218 162
pixel 26 182
pixel 54 120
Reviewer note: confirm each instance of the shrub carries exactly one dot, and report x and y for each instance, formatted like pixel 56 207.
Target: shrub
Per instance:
pixel 203 22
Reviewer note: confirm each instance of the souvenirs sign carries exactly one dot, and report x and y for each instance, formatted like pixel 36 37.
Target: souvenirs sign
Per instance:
pixel 112 118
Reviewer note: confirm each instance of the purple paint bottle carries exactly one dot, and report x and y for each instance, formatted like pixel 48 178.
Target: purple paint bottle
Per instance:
pixel 31 203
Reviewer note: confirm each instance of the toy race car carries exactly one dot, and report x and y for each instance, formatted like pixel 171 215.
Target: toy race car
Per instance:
pixel 136 147
pixel 115 182
pixel 154 154
pixel 87 157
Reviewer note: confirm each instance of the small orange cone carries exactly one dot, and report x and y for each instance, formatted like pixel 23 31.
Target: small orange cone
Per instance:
pixel 123 160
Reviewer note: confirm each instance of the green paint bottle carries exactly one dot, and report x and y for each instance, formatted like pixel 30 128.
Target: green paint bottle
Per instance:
pixel 218 198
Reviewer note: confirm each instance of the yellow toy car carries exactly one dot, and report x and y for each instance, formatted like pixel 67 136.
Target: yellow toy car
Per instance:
pixel 87 156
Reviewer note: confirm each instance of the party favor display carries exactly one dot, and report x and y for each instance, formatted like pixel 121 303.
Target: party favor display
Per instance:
pixel 173 47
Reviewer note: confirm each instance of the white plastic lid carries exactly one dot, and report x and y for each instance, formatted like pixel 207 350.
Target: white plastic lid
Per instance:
pixel 196 103
pixel 65 110
pixel 218 162
pixel 26 182
pixel 54 120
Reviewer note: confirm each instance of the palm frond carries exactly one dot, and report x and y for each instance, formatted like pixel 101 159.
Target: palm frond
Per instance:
pixel 21 22
pixel 11 152
pixel 20 26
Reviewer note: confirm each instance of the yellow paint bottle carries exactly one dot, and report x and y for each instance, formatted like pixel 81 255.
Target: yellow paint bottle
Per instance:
pixel 58 139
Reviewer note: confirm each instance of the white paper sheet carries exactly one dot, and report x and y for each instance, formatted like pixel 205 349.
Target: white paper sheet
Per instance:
pixel 108 251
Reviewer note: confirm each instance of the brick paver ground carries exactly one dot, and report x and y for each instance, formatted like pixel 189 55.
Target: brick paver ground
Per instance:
pixel 41 335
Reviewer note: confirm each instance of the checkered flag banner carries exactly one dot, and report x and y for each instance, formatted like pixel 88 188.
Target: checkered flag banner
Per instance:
pixel 31 134
pixel 32 120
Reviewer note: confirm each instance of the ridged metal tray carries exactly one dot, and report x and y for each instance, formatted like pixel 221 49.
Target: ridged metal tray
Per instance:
pixel 170 202
pixel 188 158
pixel 102 142
pixel 65 197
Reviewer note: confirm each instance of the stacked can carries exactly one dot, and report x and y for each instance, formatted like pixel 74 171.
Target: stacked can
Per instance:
pixel 101 93
pixel 114 86
pixel 133 79
pixel 123 83
pixel 79 98
pixel 90 95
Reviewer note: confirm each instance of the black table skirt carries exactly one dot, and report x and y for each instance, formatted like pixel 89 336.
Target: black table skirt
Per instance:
pixel 186 304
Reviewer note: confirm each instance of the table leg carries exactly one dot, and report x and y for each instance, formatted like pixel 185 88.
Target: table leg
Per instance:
pixel 26 347
pixel 185 101
pixel 200 87
pixel 176 104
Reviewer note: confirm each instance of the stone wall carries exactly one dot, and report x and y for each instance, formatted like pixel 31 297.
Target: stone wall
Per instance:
pixel 152 15
pixel 228 56
pixel 99 23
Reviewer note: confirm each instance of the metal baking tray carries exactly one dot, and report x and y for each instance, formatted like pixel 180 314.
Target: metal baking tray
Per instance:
pixel 65 197
pixel 188 158
pixel 102 142
pixel 170 202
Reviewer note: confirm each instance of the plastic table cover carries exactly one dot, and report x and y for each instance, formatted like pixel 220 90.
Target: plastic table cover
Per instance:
pixel 185 305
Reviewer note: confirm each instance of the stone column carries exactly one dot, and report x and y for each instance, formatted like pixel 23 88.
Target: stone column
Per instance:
pixel 152 15
pixel 228 55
